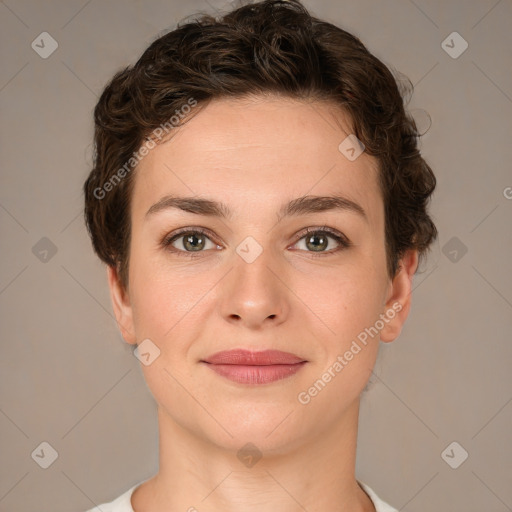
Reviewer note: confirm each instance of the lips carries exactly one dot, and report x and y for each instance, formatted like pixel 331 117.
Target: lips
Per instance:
pixel 246 367
pixel 246 357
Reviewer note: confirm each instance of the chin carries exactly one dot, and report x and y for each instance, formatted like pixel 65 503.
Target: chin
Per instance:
pixel 273 430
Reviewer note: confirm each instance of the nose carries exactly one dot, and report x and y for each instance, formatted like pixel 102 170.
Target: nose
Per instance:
pixel 255 293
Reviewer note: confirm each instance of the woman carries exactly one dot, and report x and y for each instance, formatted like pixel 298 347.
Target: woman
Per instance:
pixel 261 204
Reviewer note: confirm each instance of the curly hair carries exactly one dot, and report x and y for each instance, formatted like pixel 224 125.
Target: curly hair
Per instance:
pixel 268 47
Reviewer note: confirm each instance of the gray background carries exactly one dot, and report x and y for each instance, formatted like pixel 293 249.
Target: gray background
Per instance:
pixel 68 378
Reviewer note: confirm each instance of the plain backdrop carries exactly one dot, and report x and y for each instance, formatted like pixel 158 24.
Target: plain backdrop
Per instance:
pixel 68 379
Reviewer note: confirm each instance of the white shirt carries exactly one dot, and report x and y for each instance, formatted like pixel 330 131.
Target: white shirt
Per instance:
pixel 123 502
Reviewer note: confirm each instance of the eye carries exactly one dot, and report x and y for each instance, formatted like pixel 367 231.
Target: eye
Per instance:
pixel 188 241
pixel 316 240
pixel 192 242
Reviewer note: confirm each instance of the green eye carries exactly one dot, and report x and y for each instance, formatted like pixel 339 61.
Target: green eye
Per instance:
pixel 317 239
pixel 194 241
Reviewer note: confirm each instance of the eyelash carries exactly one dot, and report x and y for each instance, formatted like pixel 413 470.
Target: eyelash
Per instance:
pixel 344 243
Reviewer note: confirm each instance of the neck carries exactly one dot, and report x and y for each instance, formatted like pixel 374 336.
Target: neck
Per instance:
pixel 316 474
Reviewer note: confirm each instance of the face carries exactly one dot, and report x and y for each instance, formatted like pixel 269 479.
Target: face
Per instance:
pixel 306 277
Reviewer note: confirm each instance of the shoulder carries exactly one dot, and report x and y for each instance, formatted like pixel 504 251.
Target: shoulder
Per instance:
pixel 380 505
pixel 120 504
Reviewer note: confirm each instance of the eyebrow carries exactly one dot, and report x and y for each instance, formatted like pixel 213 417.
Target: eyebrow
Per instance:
pixel 300 206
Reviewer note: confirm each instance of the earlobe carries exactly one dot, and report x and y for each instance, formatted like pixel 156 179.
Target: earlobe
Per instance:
pixel 121 306
pixel 398 301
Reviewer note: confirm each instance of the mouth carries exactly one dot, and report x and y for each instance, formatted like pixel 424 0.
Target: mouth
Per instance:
pixel 247 367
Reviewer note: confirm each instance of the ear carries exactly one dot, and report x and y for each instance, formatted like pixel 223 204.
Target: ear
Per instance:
pixel 121 305
pixel 398 301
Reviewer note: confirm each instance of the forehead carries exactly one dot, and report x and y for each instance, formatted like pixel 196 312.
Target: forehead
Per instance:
pixel 258 151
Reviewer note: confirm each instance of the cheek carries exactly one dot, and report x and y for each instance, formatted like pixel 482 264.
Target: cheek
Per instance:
pixel 164 304
pixel 164 312
pixel 160 295
pixel 342 303
pixel 346 311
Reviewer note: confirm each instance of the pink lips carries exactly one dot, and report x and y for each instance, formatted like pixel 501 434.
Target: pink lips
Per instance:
pixel 246 367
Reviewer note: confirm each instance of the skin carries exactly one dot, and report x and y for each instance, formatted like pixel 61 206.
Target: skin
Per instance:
pixel 254 155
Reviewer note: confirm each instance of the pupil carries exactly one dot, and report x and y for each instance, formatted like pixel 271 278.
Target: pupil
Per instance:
pixel 188 240
pixel 321 237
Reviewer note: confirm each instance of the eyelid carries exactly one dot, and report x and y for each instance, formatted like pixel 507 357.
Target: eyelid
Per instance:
pixel 170 238
pixel 341 239
pixel 190 229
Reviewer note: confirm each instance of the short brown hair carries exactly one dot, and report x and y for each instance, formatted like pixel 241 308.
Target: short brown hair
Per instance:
pixel 272 46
